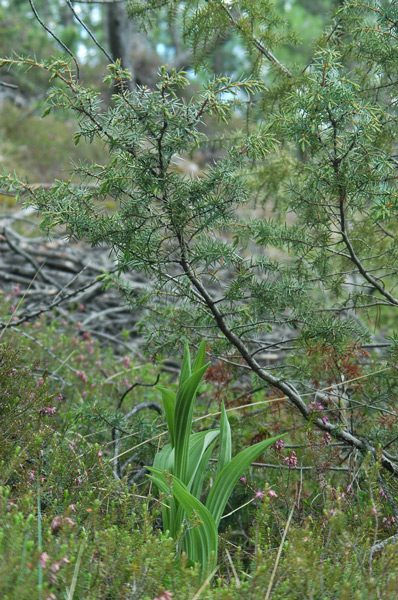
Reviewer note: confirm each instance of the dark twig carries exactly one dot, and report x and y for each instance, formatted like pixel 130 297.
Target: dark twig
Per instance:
pixel 117 471
pixel 96 42
pixel 60 42
pixel 135 385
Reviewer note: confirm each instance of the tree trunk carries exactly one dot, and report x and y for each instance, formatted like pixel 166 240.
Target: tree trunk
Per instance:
pixel 120 35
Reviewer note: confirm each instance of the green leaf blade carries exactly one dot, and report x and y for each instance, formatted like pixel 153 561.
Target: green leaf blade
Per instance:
pixel 229 475
pixel 225 453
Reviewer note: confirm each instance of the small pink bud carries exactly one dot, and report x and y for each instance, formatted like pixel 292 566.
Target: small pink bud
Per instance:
pixel 43 559
pixel 291 460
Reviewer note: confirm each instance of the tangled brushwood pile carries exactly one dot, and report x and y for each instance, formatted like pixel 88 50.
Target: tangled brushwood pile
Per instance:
pixel 54 274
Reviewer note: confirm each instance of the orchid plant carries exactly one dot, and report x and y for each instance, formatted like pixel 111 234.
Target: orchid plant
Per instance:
pixel 179 469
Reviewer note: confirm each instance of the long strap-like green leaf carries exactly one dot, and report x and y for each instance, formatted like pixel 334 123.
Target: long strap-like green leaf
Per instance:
pixel 169 403
pixel 229 475
pixel 200 448
pixel 203 538
pixel 183 422
pixel 225 453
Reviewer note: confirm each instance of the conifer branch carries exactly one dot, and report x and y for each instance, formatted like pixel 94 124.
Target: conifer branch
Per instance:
pixel 289 390
pixel 355 259
pixel 256 42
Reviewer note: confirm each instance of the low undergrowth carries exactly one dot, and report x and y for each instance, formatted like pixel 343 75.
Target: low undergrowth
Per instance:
pixel 71 528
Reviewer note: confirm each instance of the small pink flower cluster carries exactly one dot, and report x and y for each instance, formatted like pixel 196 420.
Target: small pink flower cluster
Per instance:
pixel 54 568
pixel 279 445
pixel 60 522
pixel 327 438
pixel 315 406
pixel 48 411
pixel 164 596
pixel 259 493
pixel 291 460
pixel 388 522
pixel 382 493
pixel 82 375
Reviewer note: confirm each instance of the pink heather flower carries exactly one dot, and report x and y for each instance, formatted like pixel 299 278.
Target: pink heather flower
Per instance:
pixel 80 357
pixel 81 307
pixel 44 558
pixel 388 522
pixel 48 411
pixel 86 335
pixel 31 476
pixel 16 289
pixel 242 479
pixel 79 325
pixel 164 596
pixel 99 453
pixel 82 375
pixel 291 460
pixel 59 522
pixel 327 438
pixel 259 494
pixel 126 361
pixel 12 309
pixel 382 493
pixel 374 510
pixel 72 507
pixel 279 445
pixel 325 420
pixel 40 382
pixel 98 363
pixel 272 494
pixel 84 394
